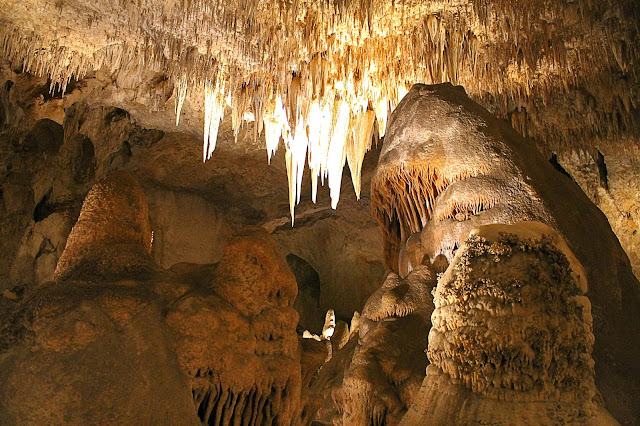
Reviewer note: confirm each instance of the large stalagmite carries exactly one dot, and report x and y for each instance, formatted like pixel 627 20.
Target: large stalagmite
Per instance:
pixel 112 237
pixel 511 339
pixel 448 166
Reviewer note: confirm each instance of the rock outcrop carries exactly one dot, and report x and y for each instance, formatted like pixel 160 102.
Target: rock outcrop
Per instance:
pixel 388 363
pixel 112 238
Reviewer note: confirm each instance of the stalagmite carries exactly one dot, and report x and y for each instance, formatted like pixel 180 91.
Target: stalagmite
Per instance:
pixel 329 325
pixel 511 339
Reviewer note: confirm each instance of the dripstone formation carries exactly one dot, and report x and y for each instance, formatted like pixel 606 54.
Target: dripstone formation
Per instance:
pixel 448 166
pixel 117 339
pixel 511 339
pixel 388 362
pixel 112 238
pixel 506 299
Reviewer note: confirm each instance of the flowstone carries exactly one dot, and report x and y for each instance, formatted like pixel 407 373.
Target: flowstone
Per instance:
pixel 388 363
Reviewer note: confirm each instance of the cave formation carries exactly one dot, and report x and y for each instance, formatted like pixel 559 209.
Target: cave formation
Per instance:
pixel 181 243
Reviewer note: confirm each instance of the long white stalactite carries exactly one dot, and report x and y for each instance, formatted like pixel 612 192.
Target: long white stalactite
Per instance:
pixel 213 113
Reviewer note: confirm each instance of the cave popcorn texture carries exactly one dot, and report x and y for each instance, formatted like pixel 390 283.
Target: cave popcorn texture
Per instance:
pixel 448 166
pixel 512 337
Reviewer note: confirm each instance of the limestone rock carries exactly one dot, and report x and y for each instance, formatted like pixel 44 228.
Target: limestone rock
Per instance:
pixel 251 277
pixel 112 237
pixel 388 363
pixel 448 165
pixel 102 341
pixel 512 335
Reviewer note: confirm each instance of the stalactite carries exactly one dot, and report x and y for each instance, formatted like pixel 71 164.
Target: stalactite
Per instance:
pixel 214 110
pixel 357 146
pixel 319 122
pixel 337 152
pixel 296 154
pixel 289 61
pixel 181 94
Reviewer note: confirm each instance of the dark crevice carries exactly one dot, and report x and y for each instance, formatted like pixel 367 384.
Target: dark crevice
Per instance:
pixel 45 136
pixel 47 93
pixel 44 208
pixel 47 207
pixel 116 114
pixel 602 170
pixel 307 277
pixel 556 165
pixel 85 166
pixel 145 137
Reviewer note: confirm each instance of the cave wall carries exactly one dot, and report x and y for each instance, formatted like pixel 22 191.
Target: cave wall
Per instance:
pixel 55 148
pixel 609 176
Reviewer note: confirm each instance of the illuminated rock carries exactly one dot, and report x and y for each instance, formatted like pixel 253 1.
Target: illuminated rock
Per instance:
pixel 112 237
pixel 200 343
pixel 388 363
pixel 512 335
pixel 448 166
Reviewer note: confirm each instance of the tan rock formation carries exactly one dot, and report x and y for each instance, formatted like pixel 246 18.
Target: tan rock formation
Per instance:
pixel 388 363
pixel 104 344
pixel 400 297
pixel 112 237
pixel 251 277
pixel 511 339
pixel 237 340
pixel 448 166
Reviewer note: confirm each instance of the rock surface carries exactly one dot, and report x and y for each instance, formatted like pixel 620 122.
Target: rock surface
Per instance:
pixel 470 169
pixel 112 238
pixel 123 119
pixel 511 339
pixel 104 343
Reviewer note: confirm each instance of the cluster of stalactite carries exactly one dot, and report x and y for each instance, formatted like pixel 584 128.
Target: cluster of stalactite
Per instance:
pixel 318 75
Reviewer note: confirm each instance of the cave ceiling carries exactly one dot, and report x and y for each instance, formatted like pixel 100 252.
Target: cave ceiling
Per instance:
pixel 324 75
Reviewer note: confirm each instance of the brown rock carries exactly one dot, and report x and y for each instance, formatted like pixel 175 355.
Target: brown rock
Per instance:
pixel 251 277
pixel 112 237
pixel 108 347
